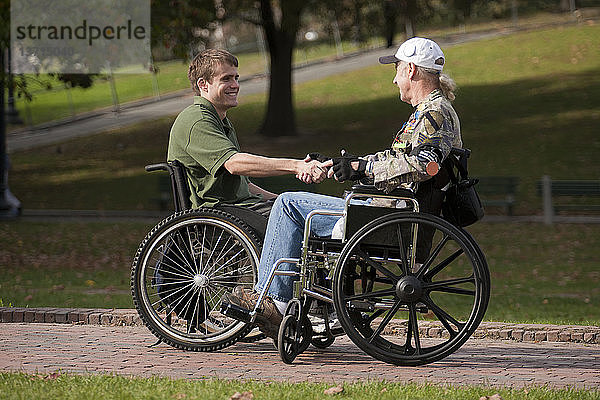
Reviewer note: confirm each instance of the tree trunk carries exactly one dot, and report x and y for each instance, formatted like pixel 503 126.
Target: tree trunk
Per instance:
pixel 280 31
pixel 390 13
pixel 4 205
pixel 280 119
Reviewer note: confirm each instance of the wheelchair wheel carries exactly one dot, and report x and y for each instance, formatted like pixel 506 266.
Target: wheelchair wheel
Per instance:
pixel 293 338
pixel 182 269
pixel 406 277
pixel 322 342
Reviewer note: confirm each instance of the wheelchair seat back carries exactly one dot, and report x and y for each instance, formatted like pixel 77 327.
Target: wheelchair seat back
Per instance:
pixel 359 215
pixel 179 185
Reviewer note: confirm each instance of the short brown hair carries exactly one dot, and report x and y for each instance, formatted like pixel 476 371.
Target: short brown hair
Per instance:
pixel 204 65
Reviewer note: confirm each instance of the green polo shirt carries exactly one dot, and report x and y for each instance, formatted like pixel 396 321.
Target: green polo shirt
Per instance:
pixel 203 142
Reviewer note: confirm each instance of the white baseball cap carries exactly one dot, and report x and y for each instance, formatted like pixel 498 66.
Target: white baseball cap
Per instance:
pixel 419 51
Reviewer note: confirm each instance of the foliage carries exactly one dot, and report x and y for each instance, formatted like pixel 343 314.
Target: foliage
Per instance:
pixel 177 25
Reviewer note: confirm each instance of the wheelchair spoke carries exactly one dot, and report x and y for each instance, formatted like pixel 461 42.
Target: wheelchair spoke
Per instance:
pixel 412 316
pixel 444 317
pixel 436 251
pixel 191 322
pixel 173 276
pixel 434 271
pixel 191 248
pixel 201 244
pixel 181 292
pixel 231 260
pixel 378 266
pixel 173 293
pixel 372 317
pixel 215 245
pixel 221 255
pixel 181 254
pixel 174 264
pixel 385 321
pixel 446 286
pixel 403 258
pixel 368 295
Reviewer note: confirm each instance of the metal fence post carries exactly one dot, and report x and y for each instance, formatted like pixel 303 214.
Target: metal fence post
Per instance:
pixel 547 199
pixel 113 88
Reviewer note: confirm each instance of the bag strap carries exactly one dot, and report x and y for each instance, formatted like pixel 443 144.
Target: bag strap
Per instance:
pixel 457 158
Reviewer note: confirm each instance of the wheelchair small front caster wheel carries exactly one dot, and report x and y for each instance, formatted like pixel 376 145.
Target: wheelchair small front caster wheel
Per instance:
pixel 293 338
pixel 322 342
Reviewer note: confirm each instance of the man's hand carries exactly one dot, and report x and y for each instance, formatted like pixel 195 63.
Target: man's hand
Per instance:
pixel 312 171
pixel 347 167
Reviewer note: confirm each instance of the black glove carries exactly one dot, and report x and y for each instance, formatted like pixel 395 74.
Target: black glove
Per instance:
pixel 342 168
pixel 319 157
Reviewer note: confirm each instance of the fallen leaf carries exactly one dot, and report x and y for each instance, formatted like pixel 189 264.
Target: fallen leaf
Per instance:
pixel 334 390
pixel 52 376
pixel 492 397
pixel 242 396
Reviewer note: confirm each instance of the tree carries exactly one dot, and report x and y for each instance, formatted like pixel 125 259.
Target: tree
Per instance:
pixel 178 25
pixel 281 22
pixel 9 206
pixel 280 32
pixel 390 15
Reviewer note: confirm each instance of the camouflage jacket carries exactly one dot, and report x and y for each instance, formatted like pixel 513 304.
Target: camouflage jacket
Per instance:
pixel 429 135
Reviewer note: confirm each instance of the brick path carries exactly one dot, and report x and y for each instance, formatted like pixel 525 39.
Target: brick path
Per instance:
pixel 79 348
pixel 487 330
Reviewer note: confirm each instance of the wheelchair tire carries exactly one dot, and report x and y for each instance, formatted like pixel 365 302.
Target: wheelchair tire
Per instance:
pixel 322 342
pixel 293 338
pixel 440 290
pixel 182 269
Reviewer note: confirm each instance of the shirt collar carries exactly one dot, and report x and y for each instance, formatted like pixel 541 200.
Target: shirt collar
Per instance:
pixel 199 100
pixel 431 96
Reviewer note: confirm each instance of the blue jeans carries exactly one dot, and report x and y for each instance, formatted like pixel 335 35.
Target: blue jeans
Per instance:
pixel 285 232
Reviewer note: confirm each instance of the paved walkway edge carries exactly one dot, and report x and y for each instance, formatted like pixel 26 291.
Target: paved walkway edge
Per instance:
pixel 488 330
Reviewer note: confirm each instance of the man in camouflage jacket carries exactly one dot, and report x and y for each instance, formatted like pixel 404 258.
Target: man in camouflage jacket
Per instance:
pixel 425 140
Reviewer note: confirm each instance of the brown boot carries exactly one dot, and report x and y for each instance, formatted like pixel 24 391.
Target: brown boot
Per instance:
pixel 268 317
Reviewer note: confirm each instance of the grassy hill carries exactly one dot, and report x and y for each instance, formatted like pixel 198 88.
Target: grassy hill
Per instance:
pixel 529 105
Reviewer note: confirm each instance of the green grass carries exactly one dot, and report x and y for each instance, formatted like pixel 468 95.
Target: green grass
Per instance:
pixel 539 274
pixel 68 264
pixel 67 386
pixel 60 103
pixel 527 109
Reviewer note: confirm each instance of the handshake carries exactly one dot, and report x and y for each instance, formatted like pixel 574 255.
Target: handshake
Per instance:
pixel 317 167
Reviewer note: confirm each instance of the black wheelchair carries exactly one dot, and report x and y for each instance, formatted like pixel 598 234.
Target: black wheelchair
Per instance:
pixel 395 275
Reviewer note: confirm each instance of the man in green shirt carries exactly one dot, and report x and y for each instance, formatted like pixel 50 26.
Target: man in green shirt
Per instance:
pixel 203 140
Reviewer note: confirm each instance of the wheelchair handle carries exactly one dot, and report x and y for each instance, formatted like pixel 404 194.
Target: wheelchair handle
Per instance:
pixel 157 167
pixel 460 152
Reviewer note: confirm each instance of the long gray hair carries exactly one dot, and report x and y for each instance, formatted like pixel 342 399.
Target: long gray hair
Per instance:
pixel 446 84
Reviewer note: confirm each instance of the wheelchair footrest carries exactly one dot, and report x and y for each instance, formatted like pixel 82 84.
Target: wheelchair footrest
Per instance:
pixel 236 312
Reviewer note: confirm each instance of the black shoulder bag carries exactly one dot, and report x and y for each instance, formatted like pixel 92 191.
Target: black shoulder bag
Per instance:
pixel 462 206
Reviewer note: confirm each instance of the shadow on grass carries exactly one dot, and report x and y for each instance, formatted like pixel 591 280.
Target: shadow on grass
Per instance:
pixel 524 128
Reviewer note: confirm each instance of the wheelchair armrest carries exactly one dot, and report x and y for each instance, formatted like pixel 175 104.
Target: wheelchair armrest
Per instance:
pixel 372 190
pixel 179 185
pixel 157 167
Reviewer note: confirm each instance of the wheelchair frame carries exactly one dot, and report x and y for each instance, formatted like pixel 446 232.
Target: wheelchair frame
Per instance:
pixel 388 278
